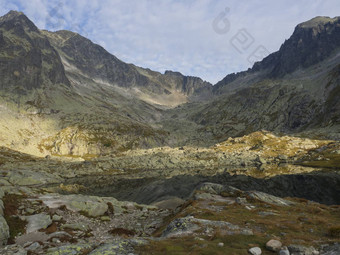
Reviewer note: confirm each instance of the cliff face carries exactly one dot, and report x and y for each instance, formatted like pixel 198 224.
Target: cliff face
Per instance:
pixel 95 62
pixel 312 42
pixel 27 60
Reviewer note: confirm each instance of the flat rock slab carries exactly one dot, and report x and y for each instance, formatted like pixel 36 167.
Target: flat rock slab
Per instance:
pixel 90 205
pixel 270 199
pixel 37 221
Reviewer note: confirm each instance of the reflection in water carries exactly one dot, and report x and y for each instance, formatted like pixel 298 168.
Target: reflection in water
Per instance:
pixel 147 187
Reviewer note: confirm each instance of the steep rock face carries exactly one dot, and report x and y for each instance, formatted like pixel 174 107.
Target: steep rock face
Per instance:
pixel 95 62
pixel 312 42
pixel 188 84
pixel 27 60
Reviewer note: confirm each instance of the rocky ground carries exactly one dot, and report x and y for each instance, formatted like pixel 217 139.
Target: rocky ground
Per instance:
pixel 245 195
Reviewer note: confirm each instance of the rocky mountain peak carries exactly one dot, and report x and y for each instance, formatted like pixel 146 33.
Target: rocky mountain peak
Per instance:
pixel 312 42
pixel 15 19
pixel 318 21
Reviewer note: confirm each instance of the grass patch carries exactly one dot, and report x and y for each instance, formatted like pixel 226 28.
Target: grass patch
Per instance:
pixel 334 232
pixel 16 225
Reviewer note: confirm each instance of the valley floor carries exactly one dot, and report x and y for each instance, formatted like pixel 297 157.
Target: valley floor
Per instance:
pixel 261 191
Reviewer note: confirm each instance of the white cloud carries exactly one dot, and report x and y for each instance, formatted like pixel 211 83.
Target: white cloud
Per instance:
pixel 177 35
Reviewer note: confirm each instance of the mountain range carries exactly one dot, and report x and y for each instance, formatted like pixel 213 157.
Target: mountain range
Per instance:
pixel 63 95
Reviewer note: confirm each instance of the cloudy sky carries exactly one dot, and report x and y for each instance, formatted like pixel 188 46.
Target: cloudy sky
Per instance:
pixel 205 38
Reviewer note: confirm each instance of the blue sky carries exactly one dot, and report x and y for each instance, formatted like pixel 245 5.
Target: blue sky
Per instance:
pixel 205 38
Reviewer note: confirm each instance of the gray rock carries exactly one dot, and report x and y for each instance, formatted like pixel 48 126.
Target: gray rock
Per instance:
pixel 247 232
pixel 180 226
pixel 2 207
pixel 284 251
pixel 212 188
pixel 91 206
pixel 76 226
pixel 33 246
pixel 241 200
pixel 273 245
pixel 331 249
pixel 4 183
pixel 37 221
pixel 57 217
pixel 59 234
pixel 255 251
pixel 270 199
pixel 295 249
pixel 29 211
pixel 13 250
pixel 2 193
pixel 4 231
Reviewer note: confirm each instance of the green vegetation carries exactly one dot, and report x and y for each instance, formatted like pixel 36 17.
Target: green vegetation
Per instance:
pixel 16 225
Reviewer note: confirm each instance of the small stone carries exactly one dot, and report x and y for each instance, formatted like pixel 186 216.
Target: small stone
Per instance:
pixel 76 226
pixel 247 232
pixel 255 251
pixel 220 244
pixel 56 240
pixel 33 246
pixel 57 217
pixel 273 245
pixel 284 251
pixel 30 211
pixel 241 200
pixel 105 218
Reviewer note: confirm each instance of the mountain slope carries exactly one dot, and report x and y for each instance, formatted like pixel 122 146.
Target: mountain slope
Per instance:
pixel 83 57
pixel 312 42
pixel 63 95
pixel 294 90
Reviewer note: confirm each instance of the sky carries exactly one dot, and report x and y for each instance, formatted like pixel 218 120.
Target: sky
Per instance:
pixel 204 38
